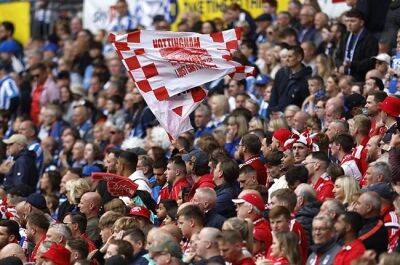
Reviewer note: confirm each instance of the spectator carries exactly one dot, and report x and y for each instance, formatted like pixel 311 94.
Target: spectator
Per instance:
pixel 206 199
pixel 230 244
pixel 207 246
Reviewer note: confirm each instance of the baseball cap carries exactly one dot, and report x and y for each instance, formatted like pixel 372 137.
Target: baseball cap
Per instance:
pixel 50 47
pixel 198 157
pixel 384 190
pixel 37 200
pixel 168 246
pixel 140 211
pixel 253 199
pixel 89 169
pixel 262 80
pixel 391 105
pixel 383 57
pixel 16 138
pixel 282 134
pixel 58 254
pixel 9 46
pixel 264 17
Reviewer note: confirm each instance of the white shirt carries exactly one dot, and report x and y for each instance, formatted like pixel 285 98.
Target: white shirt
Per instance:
pixel 279 183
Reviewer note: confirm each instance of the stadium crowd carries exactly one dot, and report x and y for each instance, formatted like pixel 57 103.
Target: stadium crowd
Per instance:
pixel 299 164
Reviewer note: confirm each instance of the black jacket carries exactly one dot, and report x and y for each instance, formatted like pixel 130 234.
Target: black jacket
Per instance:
pixel 213 219
pixel 378 241
pixel 225 194
pixel 138 259
pixel 362 62
pixel 375 12
pixel 214 260
pixel 289 88
pixel 23 171
pixel 305 216
pixel 392 24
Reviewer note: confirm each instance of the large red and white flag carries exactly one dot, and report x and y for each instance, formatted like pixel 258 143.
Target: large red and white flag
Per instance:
pixel 169 68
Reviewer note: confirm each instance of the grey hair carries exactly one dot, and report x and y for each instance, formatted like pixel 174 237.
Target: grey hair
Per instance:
pixel 63 230
pixel 307 192
pixel 382 168
pixel 336 206
pixel 373 199
pixel 326 219
pixel 204 109
pixel 343 124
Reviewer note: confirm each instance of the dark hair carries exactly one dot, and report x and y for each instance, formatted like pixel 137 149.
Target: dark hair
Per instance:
pixel 274 159
pixel 218 155
pixel 246 169
pixel 355 220
pixel 194 212
pixel 378 83
pixel 38 219
pixel 130 159
pixel 212 23
pixel 286 195
pixel 178 162
pixel 272 3
pixel 277 211
pixel 12 228
pixel 230 170
pixel 116 99
pixel 252 143
pixel 379 96
pixel 158 153
pixel 135 234
pixel 80 246
pixel 345 141
pixel 161 163
pixel 124 248
pixel 317 78
pixel 80 220
pixel 297 50
pixel 296 173
pixel 355 13
pixel 55 179
pixel 9 26
pixel 41 66
pixel 171 206
pixel 321 156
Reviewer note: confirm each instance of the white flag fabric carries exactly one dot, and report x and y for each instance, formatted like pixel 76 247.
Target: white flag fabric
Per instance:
pixel 169 68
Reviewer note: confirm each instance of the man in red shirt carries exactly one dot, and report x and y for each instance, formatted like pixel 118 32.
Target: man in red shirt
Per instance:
pixel 316 164
pixel 360 130
pixel 198 161
pixel 347 227
pixel 176 179
pixel 231 245
pixel 36 229
pixel 249 150
pixel 77 223
pixel 250 205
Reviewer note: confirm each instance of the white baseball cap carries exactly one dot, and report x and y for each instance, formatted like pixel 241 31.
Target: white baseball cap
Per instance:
pixel 383 57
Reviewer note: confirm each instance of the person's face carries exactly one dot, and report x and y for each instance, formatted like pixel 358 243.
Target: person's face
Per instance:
pixel 202 245
pixel 78 151
pixel 88 152
pixel 112 250
pixel 5 238
pixel 217 173
pixel 185 226
pixel 320 109
pixel 361 206
pixel 275 248
pixel 280 224
pixel 243 210
pixel 283 20
pixel 120 166
pixel 233 88
pixel 373 148
pixel 228 251
pixel 79 115
pixel 299 122
pixel 293 59
pixel 14 149
pixel 321 233
pixel 105 234
pixel 45 182
pixel 335 149
pixel 52 236
pixel 30 232
pixel 200 119
pixel 121 8
pixel 370 176
pixel 161 211
pixel 39 76
pixel 287 159
pixel 289 115
pixel 170 173
pixel 240 101
pixel 84 205
pixel 310 163
pixel 265 149
pixel 371 105
pixel 245 180
pixel 341 226
pixel 338 190
pixel 267 93
pixel 354 25
pixel 300 152
pixel 159 173
pixel 306 17
pixel 313 86
pixel 206 28
pixel 274 171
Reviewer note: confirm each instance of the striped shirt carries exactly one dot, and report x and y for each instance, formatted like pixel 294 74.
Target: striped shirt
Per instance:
pixel 35 147
pixel 8 90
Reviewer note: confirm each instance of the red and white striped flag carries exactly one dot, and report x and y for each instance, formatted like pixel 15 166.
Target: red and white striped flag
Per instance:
pixel 169 68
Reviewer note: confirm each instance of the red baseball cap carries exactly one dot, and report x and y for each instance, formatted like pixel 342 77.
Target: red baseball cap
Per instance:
pixel 140 211
pixel 253 199
pixel 58 254
pixel 282 134
pixel 391 105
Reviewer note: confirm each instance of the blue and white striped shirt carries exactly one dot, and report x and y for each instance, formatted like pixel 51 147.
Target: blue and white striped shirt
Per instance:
pixel 35 147
pixel 8 90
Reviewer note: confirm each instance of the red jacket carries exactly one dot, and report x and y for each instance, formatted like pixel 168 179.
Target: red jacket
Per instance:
pixel 260 168
pixel 323 187
pixel 205 181
pixel 296 228
pixel 32 256
pixel 262 232
pixel 244 261
pixel 278 261
pixel 173 193
pixel 360 154
pixel 391 221
pixel 349 252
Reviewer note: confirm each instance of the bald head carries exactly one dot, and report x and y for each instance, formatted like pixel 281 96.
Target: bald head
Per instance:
pixel 305 193
pixel 205 198
pixel 209 234
pixel 13 250
pixel 300 120
pixel 90 204
pixel 173 230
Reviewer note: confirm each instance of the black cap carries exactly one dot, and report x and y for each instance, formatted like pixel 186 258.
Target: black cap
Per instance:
pixel 354 100
pixel 37 200
pixel 20 190
pixel 264 17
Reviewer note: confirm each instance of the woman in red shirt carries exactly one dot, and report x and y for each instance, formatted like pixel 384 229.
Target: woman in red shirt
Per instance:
pixel 284 250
